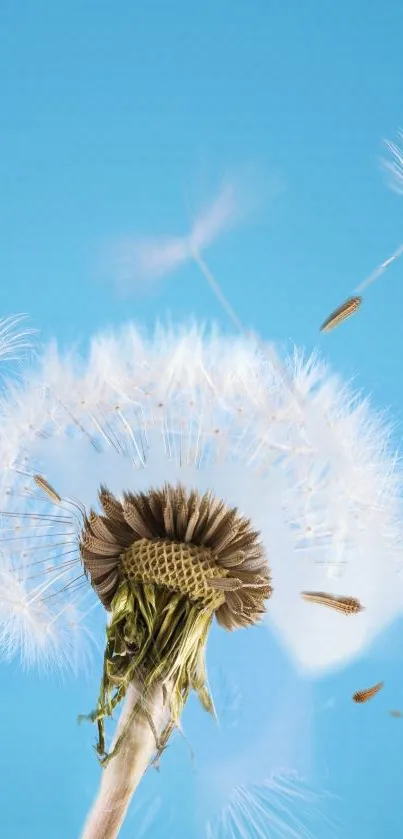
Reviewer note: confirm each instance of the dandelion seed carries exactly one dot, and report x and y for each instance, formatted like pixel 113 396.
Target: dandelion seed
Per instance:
pixel 393 166
pixel 46 487
pixel 142 258
pixel 365 695
pixel 347 605
pixel 138 259
pixel 352 304
pixel 348 308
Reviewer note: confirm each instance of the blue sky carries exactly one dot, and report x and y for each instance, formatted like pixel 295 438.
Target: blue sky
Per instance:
pixel 112 119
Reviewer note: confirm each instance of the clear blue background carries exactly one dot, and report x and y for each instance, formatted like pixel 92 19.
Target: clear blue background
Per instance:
pixel 110 115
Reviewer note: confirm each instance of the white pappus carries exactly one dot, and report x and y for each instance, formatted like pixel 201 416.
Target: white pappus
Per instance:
pixel 283 439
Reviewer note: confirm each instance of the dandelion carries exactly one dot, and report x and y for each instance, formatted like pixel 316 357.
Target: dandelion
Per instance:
pixel 162 564
pixel 160 482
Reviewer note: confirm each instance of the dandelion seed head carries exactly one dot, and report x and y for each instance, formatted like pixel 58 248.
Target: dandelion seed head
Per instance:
pixel 284 440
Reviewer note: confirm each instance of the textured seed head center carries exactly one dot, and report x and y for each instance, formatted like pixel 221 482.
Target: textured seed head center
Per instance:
pixel 179 567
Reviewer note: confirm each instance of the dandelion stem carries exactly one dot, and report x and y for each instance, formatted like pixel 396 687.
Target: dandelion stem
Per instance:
pixel 124 772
